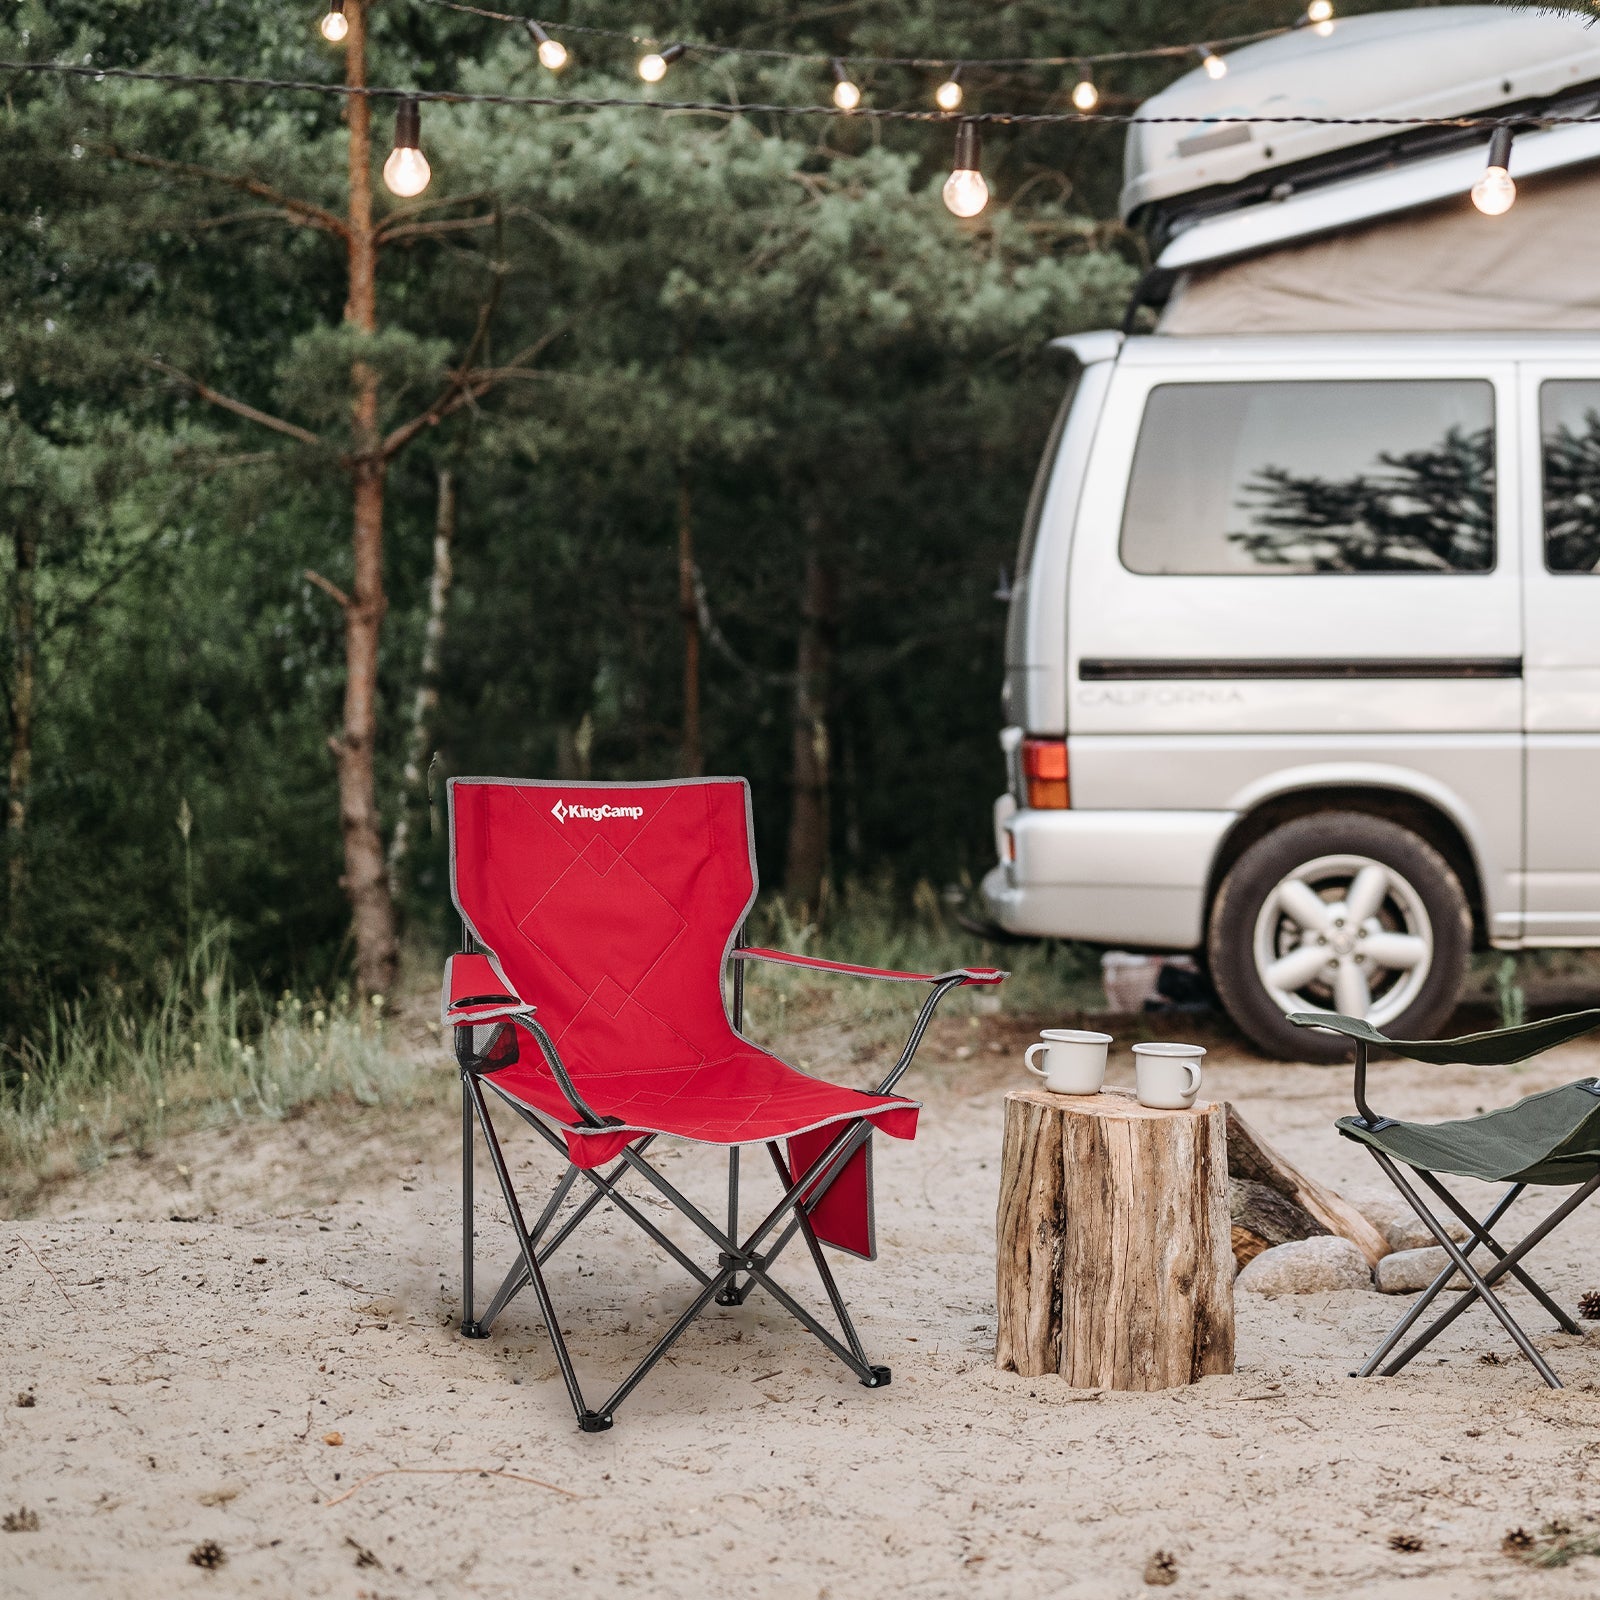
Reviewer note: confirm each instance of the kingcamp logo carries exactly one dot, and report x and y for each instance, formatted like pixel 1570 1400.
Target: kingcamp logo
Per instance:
pixel 562 812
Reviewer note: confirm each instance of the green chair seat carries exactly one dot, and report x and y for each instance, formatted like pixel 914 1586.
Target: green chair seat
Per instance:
pixel 1548 1138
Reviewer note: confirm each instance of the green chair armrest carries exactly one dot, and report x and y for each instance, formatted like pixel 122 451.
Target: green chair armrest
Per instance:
pixel 1499 1047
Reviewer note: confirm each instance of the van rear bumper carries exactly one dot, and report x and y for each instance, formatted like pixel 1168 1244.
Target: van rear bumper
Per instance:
pixel 1111 877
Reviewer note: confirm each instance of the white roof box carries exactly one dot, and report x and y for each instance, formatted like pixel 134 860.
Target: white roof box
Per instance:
pixel 1441 62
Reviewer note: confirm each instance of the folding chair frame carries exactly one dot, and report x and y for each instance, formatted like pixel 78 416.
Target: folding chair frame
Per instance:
pixel 735 1257
pixel 1479 1286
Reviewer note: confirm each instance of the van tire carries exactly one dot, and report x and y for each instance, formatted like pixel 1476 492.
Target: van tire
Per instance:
pixel 1239 916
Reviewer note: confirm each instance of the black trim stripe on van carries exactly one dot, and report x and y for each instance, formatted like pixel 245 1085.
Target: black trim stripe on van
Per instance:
pixel 1105 669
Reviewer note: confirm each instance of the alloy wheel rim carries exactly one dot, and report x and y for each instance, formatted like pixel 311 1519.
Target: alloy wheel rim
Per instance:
pixel 1344 933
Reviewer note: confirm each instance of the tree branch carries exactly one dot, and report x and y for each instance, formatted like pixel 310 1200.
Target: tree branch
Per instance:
pixel 339 597
pixel 300 211
pixel 420 230
pixel 466 387
pixel 238 407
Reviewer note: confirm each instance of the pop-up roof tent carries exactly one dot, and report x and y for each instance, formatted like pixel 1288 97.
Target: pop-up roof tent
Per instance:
pixel 1327 228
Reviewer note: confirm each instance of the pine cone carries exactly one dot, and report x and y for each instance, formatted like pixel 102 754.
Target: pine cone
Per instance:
pixel 1406 1543
pixel 1589 1305
pixel 208 1554
pixel 1518 1542
pixel 1161 1569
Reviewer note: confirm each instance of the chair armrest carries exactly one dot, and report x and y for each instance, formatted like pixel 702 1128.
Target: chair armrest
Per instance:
pixel 1499 1047
pixel 475 992
pixel 984 976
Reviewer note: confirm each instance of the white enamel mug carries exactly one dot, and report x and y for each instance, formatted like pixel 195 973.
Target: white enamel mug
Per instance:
pixel 1167 1076
pixel 1074 1060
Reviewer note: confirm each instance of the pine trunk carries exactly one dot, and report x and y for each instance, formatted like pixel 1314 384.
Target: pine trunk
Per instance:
pixel 1115 1266
pixel 691 761
pixel 426 702
pixel 807 860
pixel 20 770
pixel 366 882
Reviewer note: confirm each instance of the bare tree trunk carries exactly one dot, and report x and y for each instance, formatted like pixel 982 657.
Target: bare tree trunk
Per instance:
pixel 427 699
pixel 366 881
pixel 20 774
pixel 807 861
pixel 691 761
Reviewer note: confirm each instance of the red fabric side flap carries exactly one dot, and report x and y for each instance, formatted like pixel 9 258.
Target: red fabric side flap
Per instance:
pixel 843 1214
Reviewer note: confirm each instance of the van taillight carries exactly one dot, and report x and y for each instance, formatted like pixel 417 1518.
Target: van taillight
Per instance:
pixel 1044 773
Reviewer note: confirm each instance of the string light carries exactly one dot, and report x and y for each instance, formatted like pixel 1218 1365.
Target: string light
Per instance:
pixel 335 25
pixel 552 53
pixel 407 171
pixel 653 67
pixel 1215 66
pixel 1318 17
pixel 1494 193
pixel 965 192
pixel 948 96
pixel 846 95
pixel 1084 94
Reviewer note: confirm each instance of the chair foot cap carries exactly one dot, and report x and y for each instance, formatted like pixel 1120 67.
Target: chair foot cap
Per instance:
pixel 474 1330
pixel 879 1380
pixel 594 1421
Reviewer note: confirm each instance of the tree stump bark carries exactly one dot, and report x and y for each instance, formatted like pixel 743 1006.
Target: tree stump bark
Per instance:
pixel 1115 1265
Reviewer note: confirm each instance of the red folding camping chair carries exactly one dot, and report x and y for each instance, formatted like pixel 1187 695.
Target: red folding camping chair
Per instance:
pixel 598 920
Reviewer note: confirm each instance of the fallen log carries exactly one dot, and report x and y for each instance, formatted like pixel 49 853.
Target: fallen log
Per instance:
pixel 1262 1217
pixel 1300 1202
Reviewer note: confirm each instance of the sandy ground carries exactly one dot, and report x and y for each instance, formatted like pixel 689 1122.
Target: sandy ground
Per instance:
pixel 195 1328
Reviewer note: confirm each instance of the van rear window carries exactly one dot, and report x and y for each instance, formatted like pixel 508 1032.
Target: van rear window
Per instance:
pixel 1231 479
pixel 1569 425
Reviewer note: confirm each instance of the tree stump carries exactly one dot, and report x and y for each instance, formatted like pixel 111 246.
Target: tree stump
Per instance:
pixel 1115 1264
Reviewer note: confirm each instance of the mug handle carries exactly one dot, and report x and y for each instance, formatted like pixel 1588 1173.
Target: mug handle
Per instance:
pixel 1193 1086
pixel 1027 1058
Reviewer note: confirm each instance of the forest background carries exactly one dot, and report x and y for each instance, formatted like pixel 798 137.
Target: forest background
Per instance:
pixel 695 443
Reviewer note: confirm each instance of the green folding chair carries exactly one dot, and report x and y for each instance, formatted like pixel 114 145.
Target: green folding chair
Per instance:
pixel 1550 1139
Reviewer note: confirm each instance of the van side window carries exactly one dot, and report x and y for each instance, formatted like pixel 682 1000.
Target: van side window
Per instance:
pixel 1231 479
pixel 1569 431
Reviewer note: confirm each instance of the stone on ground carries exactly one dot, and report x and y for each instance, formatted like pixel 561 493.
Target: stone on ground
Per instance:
pixel 1307 1266
pixel 1399 1224
pixel 1407 1270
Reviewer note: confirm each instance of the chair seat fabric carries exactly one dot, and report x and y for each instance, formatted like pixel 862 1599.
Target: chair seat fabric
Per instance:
pixel 1548 1138
pixel 747 1096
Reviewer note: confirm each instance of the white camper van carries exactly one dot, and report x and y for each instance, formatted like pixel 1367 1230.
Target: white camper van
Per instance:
pixel 1303 657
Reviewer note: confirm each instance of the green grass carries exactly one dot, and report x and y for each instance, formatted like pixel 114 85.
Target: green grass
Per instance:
pixel 109 1075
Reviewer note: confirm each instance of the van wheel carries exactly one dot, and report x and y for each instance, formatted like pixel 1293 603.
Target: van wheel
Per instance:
pixel 1338 911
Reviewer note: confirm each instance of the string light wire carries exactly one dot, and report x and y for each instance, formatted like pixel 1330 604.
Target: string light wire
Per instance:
pixel 726 108
pixel 822 58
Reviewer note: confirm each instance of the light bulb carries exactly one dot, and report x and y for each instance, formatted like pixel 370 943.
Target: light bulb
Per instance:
pixel 1215 66
pixel 1494 192
pixel 948 95
pixel 653 67
pixel 1319 11
pixel 335 25
pixel 846 95
pixel 552 53
pixel 1084 94
pixel 965 192
pixel 406 172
